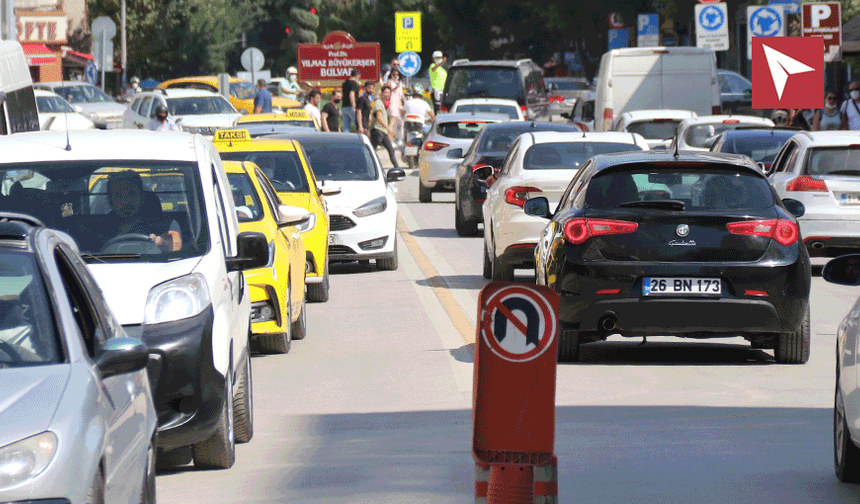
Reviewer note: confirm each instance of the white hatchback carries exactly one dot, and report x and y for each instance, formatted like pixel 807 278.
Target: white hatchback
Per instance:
pixel 537 164
pixel 700 132
pixel 193 110
pixel 656 126
pixel 55 113
pixel 503 106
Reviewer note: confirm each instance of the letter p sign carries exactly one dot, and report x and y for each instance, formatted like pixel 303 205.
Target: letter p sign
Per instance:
pixel 820 12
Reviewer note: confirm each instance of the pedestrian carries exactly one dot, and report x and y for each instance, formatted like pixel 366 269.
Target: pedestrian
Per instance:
pixel 161 122
pixel 828 118
pixel 849 109
pixel 363 108
pixel 351 88
pixel 289 88
pixel 381 130
pixel 438 74
pixel 263 100
pixel 797 119
pixel 395 65
pixel 330 114
pixel 313 105
pixel 396 104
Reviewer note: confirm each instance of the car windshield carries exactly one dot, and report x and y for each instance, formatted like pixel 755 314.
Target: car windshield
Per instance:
pixel 461 129
pixel 118 208
pixel 488 108
pixel 302 123
pixel 53 105
pixel 198 105
pixel 654 129
pixel 283 168
pixel 243 90
pixel 27 335
pixel 569 85
pixel 340 161
pixel 761 148
pixel 482 82
pixel 82 94
pixel 707 189
pixel 698 135
pixel 569 155
pixel 248 207
pixel 833 161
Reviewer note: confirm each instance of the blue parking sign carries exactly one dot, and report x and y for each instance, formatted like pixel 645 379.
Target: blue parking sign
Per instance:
pixel 618 38
pixel 408 23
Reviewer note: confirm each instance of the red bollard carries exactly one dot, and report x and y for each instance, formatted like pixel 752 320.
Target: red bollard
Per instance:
pixel 511 484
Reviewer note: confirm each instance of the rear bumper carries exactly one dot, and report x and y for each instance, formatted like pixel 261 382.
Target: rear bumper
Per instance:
pixel 830 238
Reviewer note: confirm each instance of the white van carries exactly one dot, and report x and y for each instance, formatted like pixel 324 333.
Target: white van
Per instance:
pixel 17 103
pixel 645 78
pixel 153 216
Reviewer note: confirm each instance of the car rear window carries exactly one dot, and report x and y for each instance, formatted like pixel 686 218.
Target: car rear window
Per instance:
pixel 483 82
pixel 507 110
pixel 708 188
pixel 569 155
pixel 833 161
pixel 658 129
pixel 340 161
pixel 699 134
pixel 761 148
pixel 461 129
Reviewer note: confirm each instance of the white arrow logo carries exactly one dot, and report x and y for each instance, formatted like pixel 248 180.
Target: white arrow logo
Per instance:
pixel 781 66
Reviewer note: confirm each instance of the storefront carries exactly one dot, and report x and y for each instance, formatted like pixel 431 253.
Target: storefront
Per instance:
pixel 42 35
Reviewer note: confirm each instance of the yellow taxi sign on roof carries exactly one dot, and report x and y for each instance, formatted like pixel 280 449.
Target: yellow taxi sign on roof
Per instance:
pixel 238 135
pixel 297 113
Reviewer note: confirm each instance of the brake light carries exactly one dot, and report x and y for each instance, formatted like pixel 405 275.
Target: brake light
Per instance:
pixel 578 230
pixel 603 292
pixel 556 99
pixel 525 111
pixel 785 232
pixel 716 109
pixel 751 292
pixel 434 146
pixel 518 195
pixel 807 184
pixel 730 121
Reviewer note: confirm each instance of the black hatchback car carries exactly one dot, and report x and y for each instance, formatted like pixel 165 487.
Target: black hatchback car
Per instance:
pixel 696 245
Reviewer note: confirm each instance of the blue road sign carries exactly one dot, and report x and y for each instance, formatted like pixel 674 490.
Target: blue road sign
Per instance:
pixel 410 63
pixel 649 24
pixel 619 38
pixel 790 6
pixel 765 22
pixel 91 75
pixel 712 18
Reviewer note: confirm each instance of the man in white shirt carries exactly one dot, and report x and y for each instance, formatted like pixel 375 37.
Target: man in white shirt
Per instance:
pixel 161 122
pixel 416 109
pixel 313 105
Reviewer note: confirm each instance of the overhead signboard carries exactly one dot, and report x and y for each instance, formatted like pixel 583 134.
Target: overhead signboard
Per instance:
pixel 764 21
pixel 45 27
pixel 712 26
pixel 789 6
pixel 329 63
pixel 824 19
pixel 648 30
pixel 407 32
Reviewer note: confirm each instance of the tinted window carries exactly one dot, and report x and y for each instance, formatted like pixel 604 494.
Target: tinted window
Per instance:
pixel 340 161
pixel 82 94
pixel 483 82
pixel 283 168
pixel 243 90
pixel 245 197
pixel 52 105
pixel 834 160
pixel 507 110
pixel 569 155
pixel 699 134
pixel 497 140
pixel 654 130
pixel 587 111
pixel 198 105
pixel 761 148
pixel 462 129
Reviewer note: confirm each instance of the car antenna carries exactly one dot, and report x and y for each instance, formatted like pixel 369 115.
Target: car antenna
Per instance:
pixel 676 155
pixel 66 117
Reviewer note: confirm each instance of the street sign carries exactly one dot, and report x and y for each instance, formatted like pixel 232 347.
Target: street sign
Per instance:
pixel 648 32
pixel 618 38
pixel 712 27
pixel 764 21
pixel 787 72
pixel 790 6
pixel 329 63
pixel 615 20
pixel 252 59
pixel 407 32
pixel 91 73
pixel 824 19
pixel 103 24
pixel 515 367
pixel 103 61
pixel 410 63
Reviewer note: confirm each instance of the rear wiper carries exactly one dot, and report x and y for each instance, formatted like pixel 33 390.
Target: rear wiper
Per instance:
pixel 668 204
pixel 100 257
pixel 844 172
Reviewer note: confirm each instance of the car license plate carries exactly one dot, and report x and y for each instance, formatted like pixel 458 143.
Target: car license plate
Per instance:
pixel 332 239
pixel 850 198
pixel 681 286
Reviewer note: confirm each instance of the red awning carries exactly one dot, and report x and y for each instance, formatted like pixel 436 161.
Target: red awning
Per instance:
pixel 81 55
pixel 38 54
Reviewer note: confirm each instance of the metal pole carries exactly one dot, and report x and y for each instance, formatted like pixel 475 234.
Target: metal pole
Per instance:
pixel 11 21
pixel 102 56
pixel 122 42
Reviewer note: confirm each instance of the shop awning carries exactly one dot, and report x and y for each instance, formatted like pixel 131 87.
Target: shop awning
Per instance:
pixel 81 55
pixel 38 54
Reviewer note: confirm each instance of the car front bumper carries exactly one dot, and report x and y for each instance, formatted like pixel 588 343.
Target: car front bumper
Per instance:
pixel 354 238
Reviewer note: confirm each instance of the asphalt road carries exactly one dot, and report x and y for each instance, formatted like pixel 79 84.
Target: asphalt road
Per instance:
pixel 375 404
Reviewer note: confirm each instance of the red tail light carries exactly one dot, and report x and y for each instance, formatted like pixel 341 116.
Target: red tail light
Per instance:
pixel 556 99
pixel 785 232
pixel 807 184
pixel 603 292
pixel 518 195
pixel 750 292
pixel 443 108
pixel 579 230
pixel 525 112
pixel 434 146
pixel 730 121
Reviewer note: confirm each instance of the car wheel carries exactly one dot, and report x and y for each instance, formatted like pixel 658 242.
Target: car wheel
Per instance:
pixel 464 227
pixel 846 455
pixel 318 292
pixel 300 327
pixel 388 263
pixel 488 266
pixel 793 347
pixel 425 195
pixel 568 345
pixel 147 492
pixel 502 272
pixel 243 404
pixel 219 451
pixel 96 492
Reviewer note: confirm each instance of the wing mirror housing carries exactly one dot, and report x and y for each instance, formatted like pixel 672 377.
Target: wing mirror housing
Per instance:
pixel 844 270
pixel 484 172
pixel 538 207
pixel 122 355
pixel 253 252
pixel 292 216
pixel 327 190
pixel 395 175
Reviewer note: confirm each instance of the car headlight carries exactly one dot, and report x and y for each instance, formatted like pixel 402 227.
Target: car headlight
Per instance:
pixel 371 207
pixel 176 299
pixel 26 458
pixel 307 226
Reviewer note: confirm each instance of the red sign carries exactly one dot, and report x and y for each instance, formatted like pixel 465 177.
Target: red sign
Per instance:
pixel 615 20
pixel 515 366
pixel 787 72
pixel 330 62
pixel 824 19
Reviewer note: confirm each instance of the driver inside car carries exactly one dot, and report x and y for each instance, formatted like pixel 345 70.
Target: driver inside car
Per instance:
pixel 136 212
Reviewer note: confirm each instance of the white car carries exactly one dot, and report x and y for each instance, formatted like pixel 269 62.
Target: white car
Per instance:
pixel 656 126
pixel 503 106
pixel 193 110
pixel 699 133
pixel 154 218
pixel 540 163
pixel 445 146
pixel 582 115
pixel 55 113
pixel 94 103
pixel 821 169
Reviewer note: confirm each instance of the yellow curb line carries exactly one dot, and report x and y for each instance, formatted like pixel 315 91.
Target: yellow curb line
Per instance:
pixel 440 288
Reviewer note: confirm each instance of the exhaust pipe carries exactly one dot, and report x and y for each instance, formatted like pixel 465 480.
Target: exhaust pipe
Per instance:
pixel 608 323
pixel 817 245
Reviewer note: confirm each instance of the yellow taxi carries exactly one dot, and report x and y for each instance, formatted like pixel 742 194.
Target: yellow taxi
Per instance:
pixel 242 92
pixel 285 164
pixel 290 117
pixel 278 289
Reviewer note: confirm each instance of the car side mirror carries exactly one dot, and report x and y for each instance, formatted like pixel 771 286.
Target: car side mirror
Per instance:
pixel 78 109
pixel 292 216
pixel 122 355
pixel 761 167
pixel 455 154
pixel 538 207
pixel 794 207
pixel 565 115
pixel 484 172
pixel 253 252
pixel 844 270
pixel 327 190
pixel 395 175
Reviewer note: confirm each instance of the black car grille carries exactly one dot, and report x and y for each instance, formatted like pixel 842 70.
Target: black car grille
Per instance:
pixel 339 250
pixel 340 223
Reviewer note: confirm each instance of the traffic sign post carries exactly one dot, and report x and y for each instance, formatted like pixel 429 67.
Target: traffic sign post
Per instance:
pixel 253 60
pixel 410 64
pixel 91 73
pixel 407 31
pixel 104 30
pixel 824 19
pixel 789 6
pixel 619 38
pixel 764 21
pixel 712 27
pixel 648 30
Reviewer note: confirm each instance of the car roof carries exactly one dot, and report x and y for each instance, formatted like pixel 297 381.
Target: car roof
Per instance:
pixel 181 93
pixel 470 116
pixel 17 229
pixel 606 161
pixel 643 115
pixel 829 138
pixel 237 166
pixel 255 144
pixel 206 79
pixel 63 84
pixel 496 63
pixel 45 92
pixel 292 114
pixel 92 145
pixel 708 119
pixel 268 128
pixel 496 101
pixel 309 133
pixel 579 136
pixel 526 126
pixel 758 132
